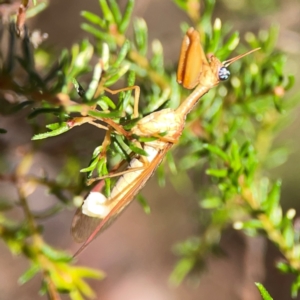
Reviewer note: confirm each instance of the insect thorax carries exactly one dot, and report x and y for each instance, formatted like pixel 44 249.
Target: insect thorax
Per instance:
pixel 166 123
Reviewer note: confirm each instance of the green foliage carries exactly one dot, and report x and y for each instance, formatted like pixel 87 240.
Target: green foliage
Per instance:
pixel 264 293
pixel 228 135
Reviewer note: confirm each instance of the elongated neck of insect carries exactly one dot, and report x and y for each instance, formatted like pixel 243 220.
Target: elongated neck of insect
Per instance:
pixel 187 105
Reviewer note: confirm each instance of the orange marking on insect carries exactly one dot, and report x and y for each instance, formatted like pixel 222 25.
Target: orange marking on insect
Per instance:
pixel 192 60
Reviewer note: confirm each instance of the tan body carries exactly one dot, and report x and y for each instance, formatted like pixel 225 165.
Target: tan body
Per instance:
pixel 97 209
pixel 98 206
pixel 194 71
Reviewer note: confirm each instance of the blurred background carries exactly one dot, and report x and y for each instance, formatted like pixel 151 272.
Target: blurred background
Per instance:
pixel 136 252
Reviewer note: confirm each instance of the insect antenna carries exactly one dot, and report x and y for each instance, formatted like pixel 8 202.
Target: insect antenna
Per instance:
pixel 228 62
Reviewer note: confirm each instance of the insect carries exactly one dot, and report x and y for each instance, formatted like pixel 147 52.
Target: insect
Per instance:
pixel 194 71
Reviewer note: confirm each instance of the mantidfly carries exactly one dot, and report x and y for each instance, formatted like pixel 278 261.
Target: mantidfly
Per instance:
pixel 165 126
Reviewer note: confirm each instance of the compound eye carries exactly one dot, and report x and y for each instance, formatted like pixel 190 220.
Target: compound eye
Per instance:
pixel 224 73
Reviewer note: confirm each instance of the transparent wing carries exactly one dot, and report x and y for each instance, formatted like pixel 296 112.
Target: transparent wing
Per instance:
pixel 83 226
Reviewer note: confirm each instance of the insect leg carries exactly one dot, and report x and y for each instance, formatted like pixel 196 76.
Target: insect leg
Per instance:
pixel 166 139
pixel 136 97
pixel 77 121
pixel 114 173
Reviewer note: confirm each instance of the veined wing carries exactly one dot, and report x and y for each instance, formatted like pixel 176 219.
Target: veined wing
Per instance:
pixel 85 228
